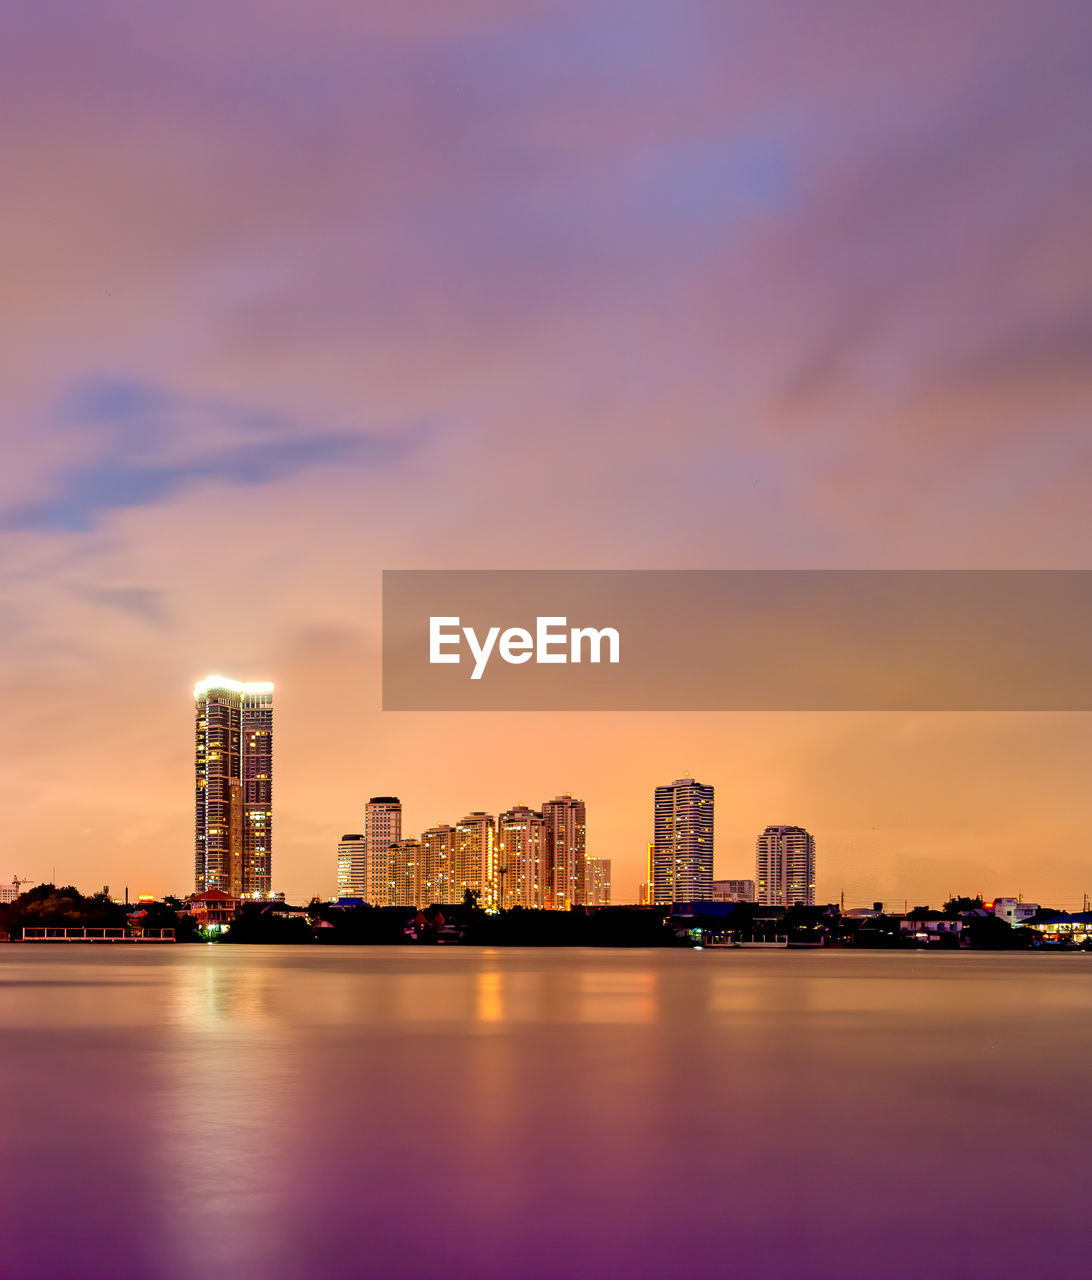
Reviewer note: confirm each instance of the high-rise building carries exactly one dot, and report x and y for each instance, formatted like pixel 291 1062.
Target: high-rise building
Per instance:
pixel 233 810
pixel 682 843
pixel 598 882
pixel 733 891
pixel 382 828
pixel 785 867
pixel 562 871
pixel 350 866
pixel 521 838
pixel 437 866
pixel 475 858
pixel 405 874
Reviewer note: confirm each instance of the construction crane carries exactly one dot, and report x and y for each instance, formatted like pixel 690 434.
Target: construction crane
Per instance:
pixel 18 882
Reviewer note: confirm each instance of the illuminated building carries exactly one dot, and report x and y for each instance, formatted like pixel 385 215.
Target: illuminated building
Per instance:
pixel 733 891
pixel 1013 911
pixel 350 866
pixel 233 811
pixel 404 863
pixel 785 867
pixel 521 838
pixel 382 828
pixel 598 882
pixel 644 894
pixel 562 871
pixel 682 842
pixel 475 858
pixel 437 866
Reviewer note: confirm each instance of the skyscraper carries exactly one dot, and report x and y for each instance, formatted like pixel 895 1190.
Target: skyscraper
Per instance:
pixel 350 866
pixel 521 838
pixel 563 861
pixel 437 866
pixel 785 867
pixel 233 794
pixel 382 828
pixel 682 844
pixel 475 858
pixel 598 882
pixel 405 874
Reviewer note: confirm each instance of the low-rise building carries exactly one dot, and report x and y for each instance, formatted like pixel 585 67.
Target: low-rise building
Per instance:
pixel 1064 926
pixel 1014 911
pixel 212 909
pixel 733 891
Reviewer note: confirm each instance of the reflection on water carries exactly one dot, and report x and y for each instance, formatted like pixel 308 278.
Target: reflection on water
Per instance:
pixel 284 1113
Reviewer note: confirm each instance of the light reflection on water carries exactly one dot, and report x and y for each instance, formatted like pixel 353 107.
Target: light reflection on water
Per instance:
pixel 284 1113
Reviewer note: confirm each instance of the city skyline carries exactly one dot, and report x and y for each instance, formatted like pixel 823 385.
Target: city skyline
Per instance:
pixel 768 303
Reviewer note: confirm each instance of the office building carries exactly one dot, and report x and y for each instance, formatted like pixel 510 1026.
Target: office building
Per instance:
pixel 475 858
pixel 382 828
pixel 563 858
pixel 785 867
pixel 598 882
pixel 233 812
pixel 350 866
pixel 682 842
pixel 733 891
pixel 521 838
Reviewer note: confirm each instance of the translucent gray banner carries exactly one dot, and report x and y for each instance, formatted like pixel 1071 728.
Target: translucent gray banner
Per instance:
pixel 743 640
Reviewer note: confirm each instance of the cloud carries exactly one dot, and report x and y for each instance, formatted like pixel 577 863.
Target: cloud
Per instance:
pixel 143 603
pixel 137 424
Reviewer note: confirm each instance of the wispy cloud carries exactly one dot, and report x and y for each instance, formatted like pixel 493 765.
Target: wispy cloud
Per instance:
pixel 155 443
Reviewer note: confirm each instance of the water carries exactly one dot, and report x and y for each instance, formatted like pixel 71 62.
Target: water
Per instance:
pixel 283 1113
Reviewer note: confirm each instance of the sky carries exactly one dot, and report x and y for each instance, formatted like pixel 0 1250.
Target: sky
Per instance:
pixel 293 294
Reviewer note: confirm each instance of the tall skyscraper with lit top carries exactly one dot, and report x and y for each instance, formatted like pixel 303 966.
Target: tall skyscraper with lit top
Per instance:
pixel 233 794
pixel 682 842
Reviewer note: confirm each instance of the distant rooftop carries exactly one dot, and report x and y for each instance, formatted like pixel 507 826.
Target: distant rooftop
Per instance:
pixel 234 686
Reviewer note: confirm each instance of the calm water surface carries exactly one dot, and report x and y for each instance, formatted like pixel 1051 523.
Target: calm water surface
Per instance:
pixel 286 1113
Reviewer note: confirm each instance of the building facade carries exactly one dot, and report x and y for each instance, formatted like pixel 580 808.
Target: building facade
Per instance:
pixel 598 882
pixel 521 838
pixel 682 842
pixel 350 865
pixel 382 828
pixel 475 858
pixel 785 867
pixel 563 861
pixel 733 891
pixel 404 870
pixel 233 794
pixel 437 866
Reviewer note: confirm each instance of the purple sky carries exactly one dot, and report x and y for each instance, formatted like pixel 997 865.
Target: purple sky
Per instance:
pixel 296 293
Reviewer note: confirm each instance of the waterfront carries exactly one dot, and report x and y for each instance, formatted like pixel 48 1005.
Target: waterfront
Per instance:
pixel 295 1112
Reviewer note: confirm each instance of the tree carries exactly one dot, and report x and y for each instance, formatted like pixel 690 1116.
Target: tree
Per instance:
pixel 956 906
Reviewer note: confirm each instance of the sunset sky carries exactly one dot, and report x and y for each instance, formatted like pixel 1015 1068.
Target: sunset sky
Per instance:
pixel 296 293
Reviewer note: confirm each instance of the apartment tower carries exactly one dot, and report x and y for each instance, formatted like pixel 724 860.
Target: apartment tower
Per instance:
pixel 350 865
pixel 382 828
pixel 521 840
pixel 682 842
pixel 785 867
pixel 233 793
pixel 563 865
pixel 475 858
